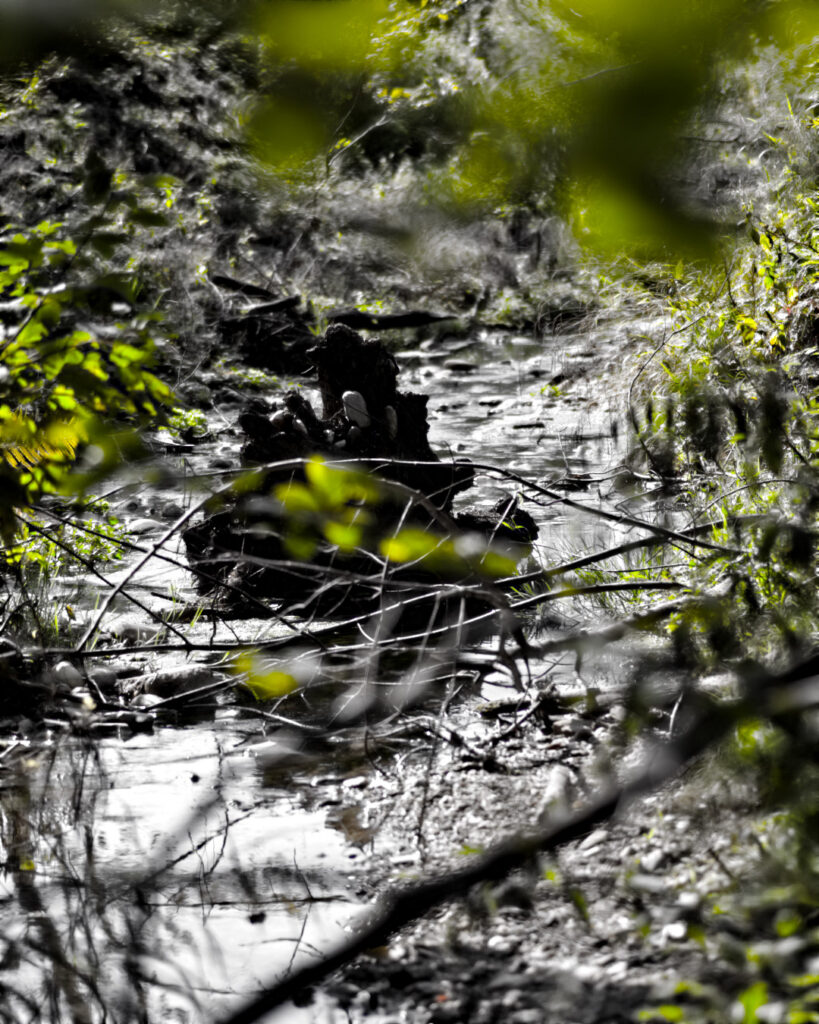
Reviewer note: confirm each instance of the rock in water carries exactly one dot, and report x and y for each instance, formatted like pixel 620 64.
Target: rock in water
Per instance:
pixel 355 409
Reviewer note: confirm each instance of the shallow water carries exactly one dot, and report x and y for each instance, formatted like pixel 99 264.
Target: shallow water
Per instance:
pixel 187 868
pixel 167 856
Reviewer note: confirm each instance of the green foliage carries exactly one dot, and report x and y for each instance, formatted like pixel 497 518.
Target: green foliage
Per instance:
pixel 333 505
pixel 262 676
pixel 340 506
pixel 191 422
pixel 251 378
pixel 583 103
pixel 454 557
pixel 49 550
pixel 75 354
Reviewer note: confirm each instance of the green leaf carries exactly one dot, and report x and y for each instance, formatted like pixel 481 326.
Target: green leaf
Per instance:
pixel 580 904
pixel 296 497
pixel 665 1012
pixel 300 544
pixel 325 35
pixel 336 485
pixel 287 133
pixel 465 555
pixel 409 545
pixel 264 679
pixel 346 536
pixel 751 1000
pixel 33 332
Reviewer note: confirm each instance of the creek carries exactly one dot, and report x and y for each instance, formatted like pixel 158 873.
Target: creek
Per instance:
pixel 185 866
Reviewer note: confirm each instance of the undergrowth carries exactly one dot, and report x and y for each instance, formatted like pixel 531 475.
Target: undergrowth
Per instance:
pixel 724 411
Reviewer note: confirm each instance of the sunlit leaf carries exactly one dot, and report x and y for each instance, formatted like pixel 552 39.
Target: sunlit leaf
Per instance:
pixel 337 485
pixel 752 999
pixel 296 497
pixel 325 35
pixel 346 536
pixel 300 544
pixel 263 678
pixel 409 545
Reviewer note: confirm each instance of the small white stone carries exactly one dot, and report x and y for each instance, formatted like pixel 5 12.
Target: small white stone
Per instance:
pixel 132 630
pixel 558 793
pixel 594 839
pixel 676 931
pixel 652 860
pixel 299 427
pixel 144 525
pixel 67 674
pixel 355 408
pixel 391 420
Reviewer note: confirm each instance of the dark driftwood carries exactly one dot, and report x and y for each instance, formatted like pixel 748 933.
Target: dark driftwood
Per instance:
pixel 277 306
pixel 241 287
pixel 275 340
pixel 361 321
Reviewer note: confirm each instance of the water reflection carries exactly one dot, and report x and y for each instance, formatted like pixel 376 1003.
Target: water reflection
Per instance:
pixel 156 880
pixel 167 877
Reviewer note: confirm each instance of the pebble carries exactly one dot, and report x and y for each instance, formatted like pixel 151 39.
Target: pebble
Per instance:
pixel 451 1010
pixel 674 932
pixel 511 997
pixel 529 1016
pixel 770 1013
pixel 174 680
pixel 557 793
pixel 140 526
pixel 652 860
pixel 405 859
pixel 171 510
pixel 355 408
pixel 128 627
pixel 66 674
pixel 507 981
pixel 594 839
pixel 648 884
pixel 502 946
pixel 146 700
pixel 197 394
pixel 689 900
pixel 103 678
pixel 356 782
